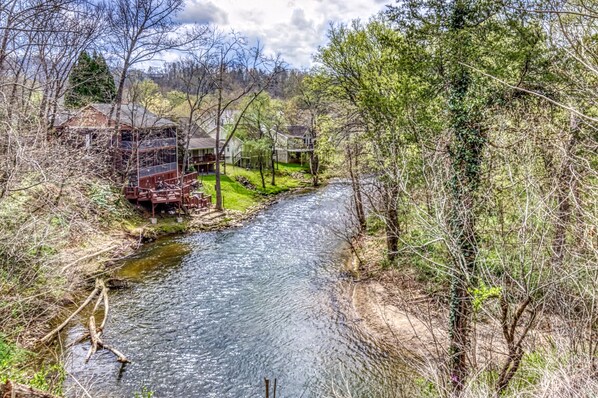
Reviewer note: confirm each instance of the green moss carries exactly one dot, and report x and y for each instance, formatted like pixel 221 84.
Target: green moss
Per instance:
pixel 169 226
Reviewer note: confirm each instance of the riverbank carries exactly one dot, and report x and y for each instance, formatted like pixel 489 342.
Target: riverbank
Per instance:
pixel 394 307
pixel 404 310
pixel 76 260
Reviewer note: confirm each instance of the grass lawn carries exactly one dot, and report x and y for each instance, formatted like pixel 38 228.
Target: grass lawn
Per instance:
pixel 237 197
pixel 292 168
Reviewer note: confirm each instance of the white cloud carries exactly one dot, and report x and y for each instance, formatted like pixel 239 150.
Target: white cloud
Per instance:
pixel 292 28
pixel 203 12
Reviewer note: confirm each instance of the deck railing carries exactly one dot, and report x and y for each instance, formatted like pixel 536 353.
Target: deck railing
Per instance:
pixel 188 178
pixel 149 144
pixel 208 158
pixel 161 168
pixel 170 191
pixel 172 195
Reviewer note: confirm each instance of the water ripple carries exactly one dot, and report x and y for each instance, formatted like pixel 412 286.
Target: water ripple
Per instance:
pixel 211 314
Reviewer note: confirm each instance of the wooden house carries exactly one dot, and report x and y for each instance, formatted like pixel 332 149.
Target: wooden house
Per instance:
pixel 143 150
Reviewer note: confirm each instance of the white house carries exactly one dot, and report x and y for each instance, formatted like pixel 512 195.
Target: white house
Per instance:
pixel 292 143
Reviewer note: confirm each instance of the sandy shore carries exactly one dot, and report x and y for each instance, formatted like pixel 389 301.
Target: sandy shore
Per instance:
pixel 394 312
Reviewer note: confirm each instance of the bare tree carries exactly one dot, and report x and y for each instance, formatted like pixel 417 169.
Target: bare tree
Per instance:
pixel 236 53
pixel 140 30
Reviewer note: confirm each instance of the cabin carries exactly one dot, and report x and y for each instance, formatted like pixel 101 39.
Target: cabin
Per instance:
pixel 293 144
pixel 143 150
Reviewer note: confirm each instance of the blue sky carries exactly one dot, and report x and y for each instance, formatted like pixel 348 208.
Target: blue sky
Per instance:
pixel 291 28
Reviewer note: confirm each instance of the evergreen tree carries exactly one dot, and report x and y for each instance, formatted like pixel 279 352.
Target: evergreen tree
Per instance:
pixel 90 81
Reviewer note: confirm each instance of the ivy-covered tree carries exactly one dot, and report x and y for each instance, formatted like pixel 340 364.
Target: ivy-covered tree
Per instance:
pixel 90 81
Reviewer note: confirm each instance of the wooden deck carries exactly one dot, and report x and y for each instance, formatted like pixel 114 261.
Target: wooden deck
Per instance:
pixel 205 159
pixel 170 191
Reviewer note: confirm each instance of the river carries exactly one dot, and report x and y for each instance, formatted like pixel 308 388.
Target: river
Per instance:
pixel 212 314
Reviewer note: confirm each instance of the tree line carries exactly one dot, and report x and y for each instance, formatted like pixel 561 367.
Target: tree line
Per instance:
pixel 468 130
pixel 466 127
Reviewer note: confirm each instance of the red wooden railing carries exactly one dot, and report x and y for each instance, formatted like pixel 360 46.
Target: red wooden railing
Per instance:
pixel 187 179
pixel 170 191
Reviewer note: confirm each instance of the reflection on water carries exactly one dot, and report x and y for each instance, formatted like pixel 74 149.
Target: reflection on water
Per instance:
pixel 212 314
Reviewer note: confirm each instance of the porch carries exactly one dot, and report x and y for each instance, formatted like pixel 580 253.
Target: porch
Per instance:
pixel 170 191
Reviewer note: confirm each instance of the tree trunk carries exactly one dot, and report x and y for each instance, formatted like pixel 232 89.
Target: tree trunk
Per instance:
pixel 466 154
pixel 564 186
pixel 391 218
pixel 273 163
pixel 261 169
pixel 217 186
pixel 357 196
pixel 314 166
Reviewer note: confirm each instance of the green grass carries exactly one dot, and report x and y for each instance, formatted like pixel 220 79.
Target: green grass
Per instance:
pixel 292 168
pixel 238 197
pixel 235 195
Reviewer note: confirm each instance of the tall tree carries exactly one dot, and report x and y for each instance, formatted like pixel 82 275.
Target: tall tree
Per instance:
pixel 90 81
pixel 259 127
pixel 464 38
pixel 235 53
pixel 141 29
pixel 381 75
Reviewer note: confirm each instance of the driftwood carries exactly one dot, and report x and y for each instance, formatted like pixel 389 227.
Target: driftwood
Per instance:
pixel 106 308
pixel 50 335
pixel 94 337
pixel 120 357
pixel 15 390
pixel 95 332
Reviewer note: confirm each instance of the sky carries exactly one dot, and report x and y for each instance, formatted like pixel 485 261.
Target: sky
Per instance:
pixel 292 28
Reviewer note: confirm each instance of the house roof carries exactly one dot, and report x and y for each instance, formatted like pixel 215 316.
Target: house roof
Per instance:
pixel 134 115
pixel 296 131
pixel 63 116
pixel 199 138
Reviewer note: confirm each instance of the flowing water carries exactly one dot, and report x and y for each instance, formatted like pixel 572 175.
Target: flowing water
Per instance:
pixel 212 314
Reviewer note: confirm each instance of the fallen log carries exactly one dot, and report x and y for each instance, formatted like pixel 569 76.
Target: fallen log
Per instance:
pixel 50 335
pixel 106 308
pixel 15 390
pixel 94 337
pixel 95 332
pixel 120 357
